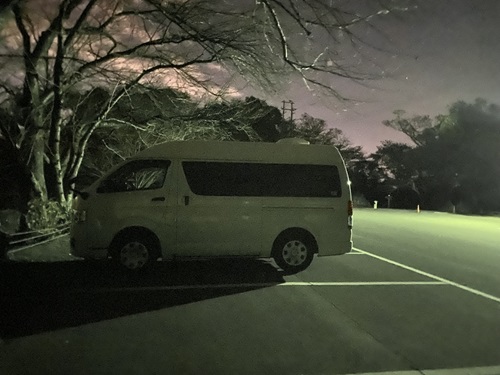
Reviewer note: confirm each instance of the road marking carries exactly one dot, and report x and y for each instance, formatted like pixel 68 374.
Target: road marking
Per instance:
pixel 430 275
pixel 359 283
pixel 486 370
pixel 256 285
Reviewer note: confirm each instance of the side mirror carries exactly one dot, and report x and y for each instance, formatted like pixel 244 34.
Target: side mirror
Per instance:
pixel 71 182
pixel 82 194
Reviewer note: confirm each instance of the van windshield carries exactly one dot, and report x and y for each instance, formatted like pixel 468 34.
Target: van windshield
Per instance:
pixel 136 175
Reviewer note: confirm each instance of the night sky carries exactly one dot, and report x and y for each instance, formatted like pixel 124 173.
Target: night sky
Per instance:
pixel 444 51
pixel 434 55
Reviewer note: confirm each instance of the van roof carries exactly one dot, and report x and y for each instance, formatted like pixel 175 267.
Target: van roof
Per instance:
pixel 243 151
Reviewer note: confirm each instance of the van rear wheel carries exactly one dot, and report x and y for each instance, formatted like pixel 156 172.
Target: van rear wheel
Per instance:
pixel 293 252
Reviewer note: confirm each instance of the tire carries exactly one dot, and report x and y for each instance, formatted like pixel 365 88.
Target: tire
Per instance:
pixel 135 251
pixel 294 252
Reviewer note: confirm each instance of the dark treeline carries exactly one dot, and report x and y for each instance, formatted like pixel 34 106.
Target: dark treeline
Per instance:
pixel 74 76
pixel 452 165
pixel 67 69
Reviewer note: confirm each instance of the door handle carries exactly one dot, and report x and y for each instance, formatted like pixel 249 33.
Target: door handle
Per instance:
pixel 186 200
pixel 158 199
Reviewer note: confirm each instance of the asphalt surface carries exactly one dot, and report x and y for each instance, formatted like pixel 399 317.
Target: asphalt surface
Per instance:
pixel 420 294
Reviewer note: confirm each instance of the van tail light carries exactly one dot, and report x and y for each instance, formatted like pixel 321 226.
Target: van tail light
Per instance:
pixel 349 214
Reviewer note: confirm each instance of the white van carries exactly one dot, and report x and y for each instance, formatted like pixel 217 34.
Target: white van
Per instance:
pixel 285 200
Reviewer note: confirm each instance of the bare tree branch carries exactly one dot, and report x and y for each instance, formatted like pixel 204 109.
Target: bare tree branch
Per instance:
pixel 103 49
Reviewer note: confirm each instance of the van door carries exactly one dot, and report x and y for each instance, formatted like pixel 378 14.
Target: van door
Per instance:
pixel 138 194
pixel 212 219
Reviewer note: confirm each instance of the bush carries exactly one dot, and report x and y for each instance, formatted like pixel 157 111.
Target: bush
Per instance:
pixel 46 214
pixel 360 201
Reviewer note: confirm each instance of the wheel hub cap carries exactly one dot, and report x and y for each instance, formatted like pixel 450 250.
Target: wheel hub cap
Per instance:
pixel 294 253
pixel 134 255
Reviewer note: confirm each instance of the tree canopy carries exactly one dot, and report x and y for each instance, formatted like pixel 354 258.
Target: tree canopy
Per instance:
pixel 55 54
pixel 458 164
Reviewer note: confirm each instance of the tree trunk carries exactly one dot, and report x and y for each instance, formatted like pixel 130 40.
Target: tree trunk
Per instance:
pixel 34 159
pixel 54 145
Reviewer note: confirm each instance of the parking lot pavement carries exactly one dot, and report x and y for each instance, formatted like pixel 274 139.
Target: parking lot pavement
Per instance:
pixel 434 322
pixel 401 317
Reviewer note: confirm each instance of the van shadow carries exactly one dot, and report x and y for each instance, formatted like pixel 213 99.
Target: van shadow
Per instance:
pixel 40 297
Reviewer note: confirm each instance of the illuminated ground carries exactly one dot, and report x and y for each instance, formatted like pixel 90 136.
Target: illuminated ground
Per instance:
pixel 421 292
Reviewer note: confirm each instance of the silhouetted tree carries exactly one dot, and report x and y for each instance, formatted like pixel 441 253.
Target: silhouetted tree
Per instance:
pixel 77 47
pixel 458 156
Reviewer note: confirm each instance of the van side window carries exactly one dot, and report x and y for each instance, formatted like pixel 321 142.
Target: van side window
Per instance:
pixel 136 175
pixel 265 180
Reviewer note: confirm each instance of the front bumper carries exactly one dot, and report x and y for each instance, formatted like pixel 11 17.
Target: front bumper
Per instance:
pixel 79 247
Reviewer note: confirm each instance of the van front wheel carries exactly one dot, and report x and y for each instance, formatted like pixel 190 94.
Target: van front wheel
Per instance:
pixel 293 252
pixel 134 252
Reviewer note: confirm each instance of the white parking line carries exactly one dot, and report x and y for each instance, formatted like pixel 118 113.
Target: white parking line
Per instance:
pixel 486 370
pixel 359 283
pixel 429 275
pixel 254 285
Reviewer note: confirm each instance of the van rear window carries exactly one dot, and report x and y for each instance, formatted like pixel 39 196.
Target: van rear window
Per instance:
pixel 258 179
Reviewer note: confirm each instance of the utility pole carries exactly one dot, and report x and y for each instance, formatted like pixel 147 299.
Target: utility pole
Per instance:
pixel 284 109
